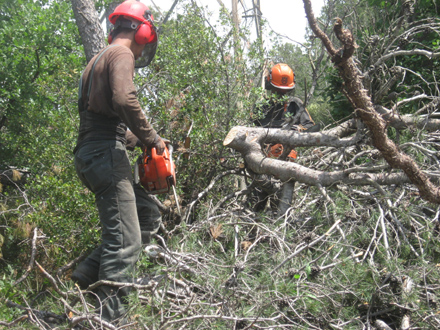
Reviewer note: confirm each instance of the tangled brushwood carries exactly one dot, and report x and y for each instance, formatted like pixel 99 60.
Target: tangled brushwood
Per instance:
pixel 349 259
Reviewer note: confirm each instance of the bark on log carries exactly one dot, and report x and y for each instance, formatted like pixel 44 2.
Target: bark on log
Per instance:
pixel 287 138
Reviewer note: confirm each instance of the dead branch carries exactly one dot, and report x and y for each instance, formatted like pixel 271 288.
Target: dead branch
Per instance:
pixel 91 317
pixel 219 317
pixel 12 323
pixel 51 279
pixel 361 101
pixel 31 313
pixel 205 192
pixel 31 261
pixel 320 238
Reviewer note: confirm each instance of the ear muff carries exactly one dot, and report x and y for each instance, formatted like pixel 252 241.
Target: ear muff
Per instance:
pixel 270 76
pixel 145 34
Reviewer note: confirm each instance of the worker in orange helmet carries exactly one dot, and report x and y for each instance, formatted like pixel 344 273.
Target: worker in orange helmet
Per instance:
pixel 289 114
pixel 282 111
pixel 111 121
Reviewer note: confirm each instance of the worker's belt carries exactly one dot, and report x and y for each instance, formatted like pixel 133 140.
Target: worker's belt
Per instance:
pixel 97 127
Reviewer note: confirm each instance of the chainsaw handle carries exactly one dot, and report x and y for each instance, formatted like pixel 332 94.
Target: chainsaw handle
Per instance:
pixel 168 145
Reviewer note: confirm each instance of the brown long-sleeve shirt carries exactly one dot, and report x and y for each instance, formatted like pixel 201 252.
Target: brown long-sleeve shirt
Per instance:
pixel 113 93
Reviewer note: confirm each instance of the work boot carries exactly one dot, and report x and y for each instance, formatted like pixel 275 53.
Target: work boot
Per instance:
pixel 86 273
pixel 111 303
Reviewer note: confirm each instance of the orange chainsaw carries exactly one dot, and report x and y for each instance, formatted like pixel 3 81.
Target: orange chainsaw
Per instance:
pixel 156 173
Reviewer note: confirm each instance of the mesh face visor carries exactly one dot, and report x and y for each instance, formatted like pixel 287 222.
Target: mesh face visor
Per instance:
pixel 147 55
pixel 151 47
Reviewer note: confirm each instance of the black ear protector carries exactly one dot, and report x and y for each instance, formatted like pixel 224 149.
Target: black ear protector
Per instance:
pixel 270 75
pixel 124 23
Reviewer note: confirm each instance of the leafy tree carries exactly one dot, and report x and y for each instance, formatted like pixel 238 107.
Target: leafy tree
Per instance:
pixel 42 60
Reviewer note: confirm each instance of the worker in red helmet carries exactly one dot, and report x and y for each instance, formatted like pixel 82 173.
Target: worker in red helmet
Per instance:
pixel 111 120
pixel 284 111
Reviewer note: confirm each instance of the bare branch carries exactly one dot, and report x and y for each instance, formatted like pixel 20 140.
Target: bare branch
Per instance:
pixel 365 109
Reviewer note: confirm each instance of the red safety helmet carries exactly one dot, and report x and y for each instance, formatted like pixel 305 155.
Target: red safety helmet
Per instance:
pixel 281 76
pixel 143 22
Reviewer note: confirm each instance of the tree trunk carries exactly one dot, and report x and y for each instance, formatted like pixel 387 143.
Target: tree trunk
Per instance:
pixel 89 27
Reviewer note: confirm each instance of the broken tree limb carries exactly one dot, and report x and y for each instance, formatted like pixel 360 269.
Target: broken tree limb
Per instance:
pixel 32 260
pixel 247 140
pixel 287 138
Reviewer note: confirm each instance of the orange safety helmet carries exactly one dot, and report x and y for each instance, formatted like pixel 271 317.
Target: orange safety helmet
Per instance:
pixel 281 76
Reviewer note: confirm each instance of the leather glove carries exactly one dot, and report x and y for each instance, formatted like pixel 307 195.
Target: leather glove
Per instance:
pixel 159 144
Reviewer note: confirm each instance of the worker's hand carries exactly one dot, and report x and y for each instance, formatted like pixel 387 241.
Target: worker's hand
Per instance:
pixel 159 144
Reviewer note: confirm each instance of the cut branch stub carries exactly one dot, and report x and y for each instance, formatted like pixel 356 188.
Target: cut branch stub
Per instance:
pixel 234 135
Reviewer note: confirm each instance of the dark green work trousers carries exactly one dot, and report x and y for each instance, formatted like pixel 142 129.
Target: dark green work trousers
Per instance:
pixel 104 167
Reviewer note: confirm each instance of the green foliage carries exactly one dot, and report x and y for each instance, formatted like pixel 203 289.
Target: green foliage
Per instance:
pixel 319 110
pixel 200 89
pixel 340 107
pixel 38 79
pixel 41 63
